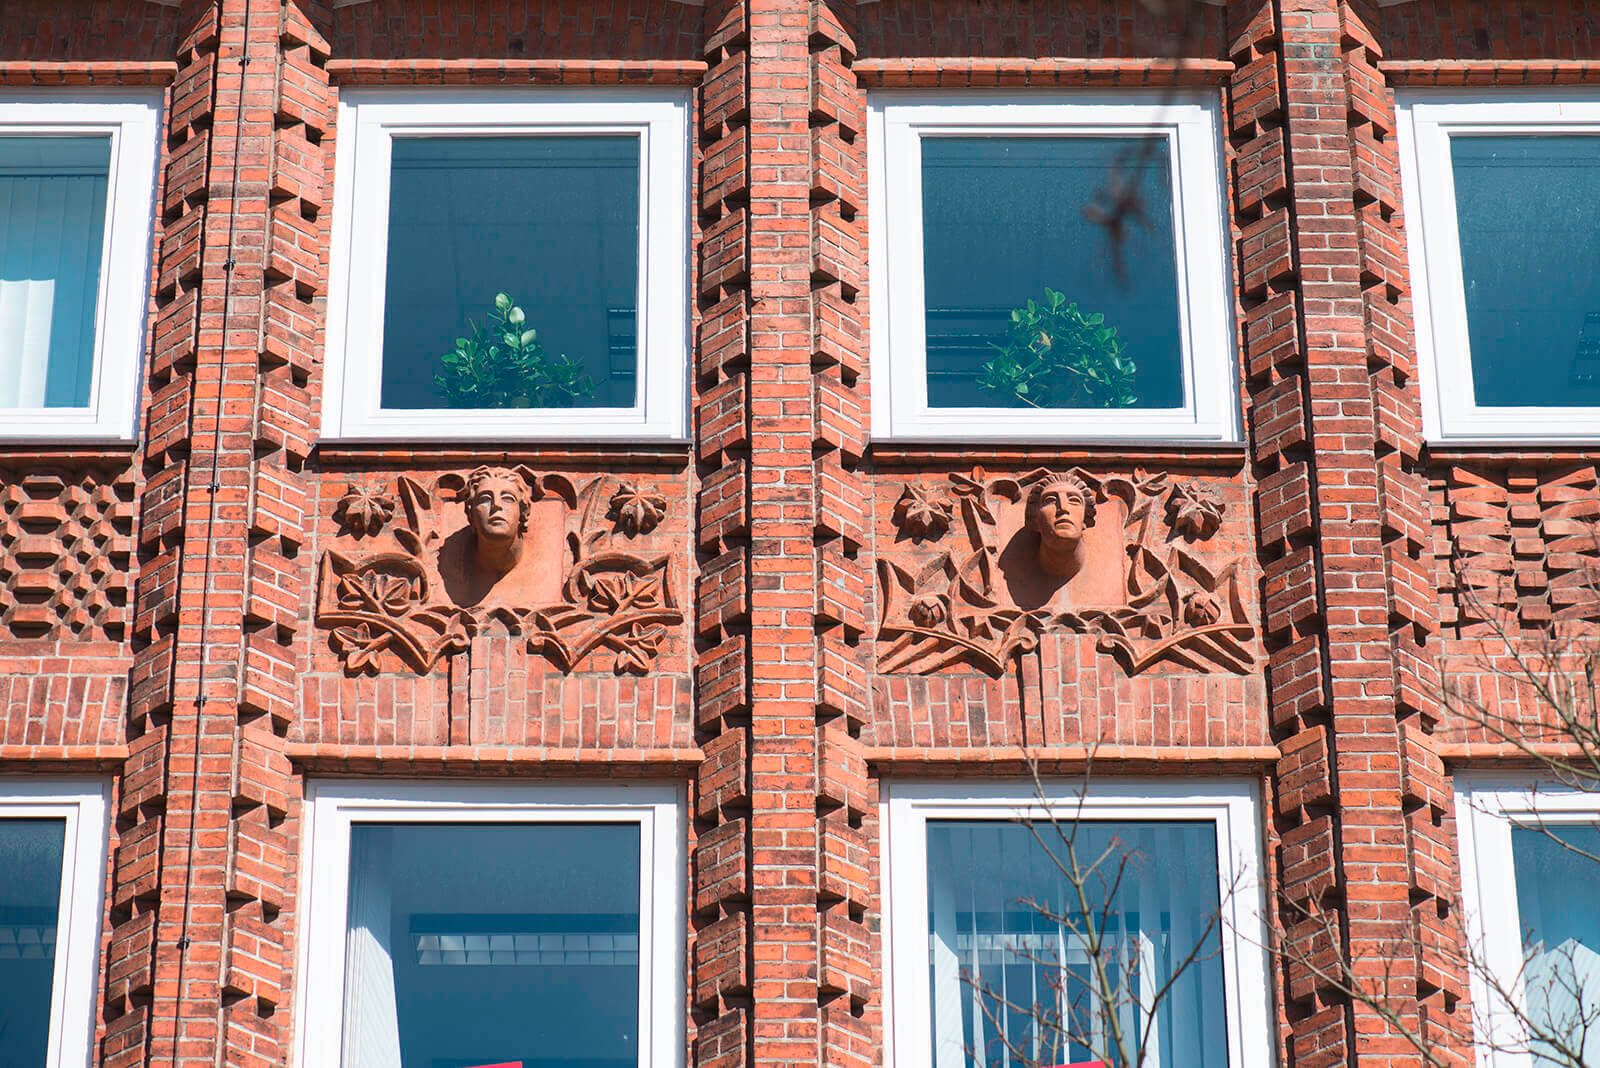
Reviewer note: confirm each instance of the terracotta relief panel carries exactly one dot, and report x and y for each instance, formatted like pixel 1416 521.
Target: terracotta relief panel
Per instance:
pixel 421 567
pixel 983 567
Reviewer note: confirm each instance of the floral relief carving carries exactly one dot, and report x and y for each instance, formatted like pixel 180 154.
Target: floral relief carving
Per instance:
pixel 636 511
pixel 1050 552
pixel 364 509
pixel 1194 510
pixel 920 513
pixel 536 555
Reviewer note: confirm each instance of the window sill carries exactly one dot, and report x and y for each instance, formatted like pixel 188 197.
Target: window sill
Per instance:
pixel 1228 454
pixel 367 453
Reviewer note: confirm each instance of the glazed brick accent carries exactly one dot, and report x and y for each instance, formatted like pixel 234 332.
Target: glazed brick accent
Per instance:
pixel 1012 28
pixel 87 31
pixel 521 29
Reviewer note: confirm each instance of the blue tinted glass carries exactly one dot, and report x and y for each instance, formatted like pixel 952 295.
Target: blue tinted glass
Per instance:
pixel 1012 980
pixel 52 228
pixel 30 901
pixel 553 222
pixel 485 944
pixel 1560 914
pixel 1005 218
pixel 1529 214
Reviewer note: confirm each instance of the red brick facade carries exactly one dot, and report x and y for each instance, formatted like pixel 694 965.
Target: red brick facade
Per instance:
pixel 158 603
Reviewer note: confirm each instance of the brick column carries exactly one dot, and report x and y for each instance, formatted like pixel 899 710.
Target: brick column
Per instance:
pixel 1342 527
pixel 846 979
pixel 195 969
pixel 720 900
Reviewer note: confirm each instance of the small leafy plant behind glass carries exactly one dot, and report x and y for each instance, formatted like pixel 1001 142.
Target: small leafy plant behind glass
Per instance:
pixel 503 365
pixel 1058 357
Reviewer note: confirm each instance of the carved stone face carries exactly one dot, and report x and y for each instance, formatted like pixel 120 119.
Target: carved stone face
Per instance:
pixel 497 506
pixel 1061 514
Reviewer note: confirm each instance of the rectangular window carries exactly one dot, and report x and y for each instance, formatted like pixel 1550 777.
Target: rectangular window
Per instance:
pixel 1530 856
pixel 1052 268
pixel 485 925
pixel 1000 958
pixel 1504 196
pixel 77 185
pixel 510 265
pixel 52 853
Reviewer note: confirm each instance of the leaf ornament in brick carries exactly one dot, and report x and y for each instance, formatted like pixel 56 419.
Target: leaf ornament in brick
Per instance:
pixel 364 509
pixel 636 511
pixel 1194 510
pixel 922 513
pixel 449 567
pixel 1046 552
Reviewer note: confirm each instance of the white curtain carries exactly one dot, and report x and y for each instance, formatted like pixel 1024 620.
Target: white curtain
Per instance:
pixel 998 963
pixel 371 1018
pixel 52 222
pixel 1563 994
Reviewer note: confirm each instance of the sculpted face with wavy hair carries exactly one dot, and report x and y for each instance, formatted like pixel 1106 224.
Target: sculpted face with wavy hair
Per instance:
pixel 1059 510
pixel 497 503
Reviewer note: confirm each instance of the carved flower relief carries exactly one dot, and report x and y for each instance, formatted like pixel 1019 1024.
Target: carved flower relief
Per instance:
pixel 364 509
pixel 614 591
pixel 359 646
pixel 1201 609
pixel 928 611
pixel 636 511
pixel 375 591
pixel 1194 510
pixel 922 513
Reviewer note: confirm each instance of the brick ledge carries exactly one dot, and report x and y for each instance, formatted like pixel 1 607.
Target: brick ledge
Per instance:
pixel 97 72
pixel 108 758
pixel 1490 71
pixel 1116 759
pixel 488 759
pixel 963 71
pixel 503 71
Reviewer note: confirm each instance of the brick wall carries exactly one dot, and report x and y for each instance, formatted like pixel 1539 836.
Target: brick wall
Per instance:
pixel 163 617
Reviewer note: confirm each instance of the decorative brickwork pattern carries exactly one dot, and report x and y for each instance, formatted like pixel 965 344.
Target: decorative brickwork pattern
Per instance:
pixel 1344 523
pixel 724 853
pixel 843 863
pixel 66 553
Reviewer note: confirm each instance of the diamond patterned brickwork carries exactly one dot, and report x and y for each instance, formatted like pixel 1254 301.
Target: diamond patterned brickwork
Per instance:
pixel 66 553
pixel 1518 547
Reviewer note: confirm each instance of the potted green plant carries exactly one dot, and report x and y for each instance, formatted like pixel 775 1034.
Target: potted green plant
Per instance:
pixel 503 365
pixel 1055 356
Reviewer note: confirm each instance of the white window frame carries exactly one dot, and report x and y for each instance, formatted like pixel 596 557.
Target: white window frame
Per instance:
pixel 1488 806
pixel 1232 805
pixel 333 806
pixel 131 118
pixel 82 804
pixel 898 119
pixel 368 121
pixel 1424 123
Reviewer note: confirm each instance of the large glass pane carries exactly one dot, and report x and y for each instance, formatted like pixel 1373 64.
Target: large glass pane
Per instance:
pixel 30 902
pixel 1529 213
pixel 1006 219
pixel 1560 913
pixel 551 222
pixel 485 944
pixel 52 228
pixel 1014 979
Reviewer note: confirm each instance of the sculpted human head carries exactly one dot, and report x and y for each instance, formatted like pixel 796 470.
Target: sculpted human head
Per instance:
pixel 497 503
pixel 1059 510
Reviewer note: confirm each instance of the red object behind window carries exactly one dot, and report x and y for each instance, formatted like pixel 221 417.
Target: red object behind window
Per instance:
pixel 518 1064
pixel 1075 1064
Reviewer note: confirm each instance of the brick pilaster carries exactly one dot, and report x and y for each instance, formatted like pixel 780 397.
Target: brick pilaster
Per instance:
pixel 720 901
pixel 1341 514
